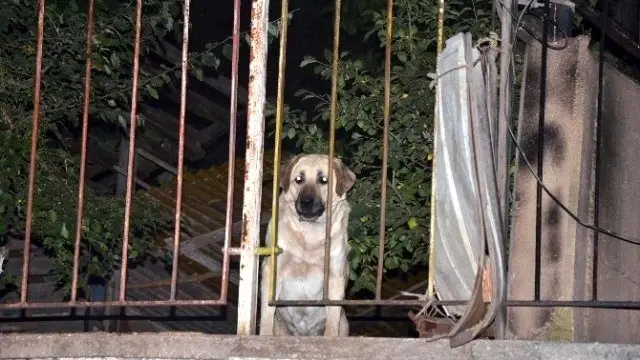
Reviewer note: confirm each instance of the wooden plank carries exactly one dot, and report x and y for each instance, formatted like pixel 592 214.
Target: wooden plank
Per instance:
pixel 220 84
pixel 167 125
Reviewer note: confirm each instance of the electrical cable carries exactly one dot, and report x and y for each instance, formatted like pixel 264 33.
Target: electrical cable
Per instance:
pixel 557 201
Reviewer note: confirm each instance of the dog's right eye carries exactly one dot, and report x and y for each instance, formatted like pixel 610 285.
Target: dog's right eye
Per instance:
pixel 299 179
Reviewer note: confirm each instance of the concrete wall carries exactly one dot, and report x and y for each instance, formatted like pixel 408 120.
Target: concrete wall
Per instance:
pixel 198 346
pixel 569 152
pixel 618 265
pixel 570 113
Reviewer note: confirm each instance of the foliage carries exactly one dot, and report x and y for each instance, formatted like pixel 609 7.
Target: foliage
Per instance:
pixel 359 125
pixel 55 210
pixel 63 66
pixel 63 70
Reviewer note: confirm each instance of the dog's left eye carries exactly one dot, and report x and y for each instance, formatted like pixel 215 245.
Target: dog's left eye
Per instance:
pixel 298 179
pixel 323 180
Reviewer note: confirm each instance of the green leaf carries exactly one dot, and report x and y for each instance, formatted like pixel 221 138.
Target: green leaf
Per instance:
pixel 210 60
pixel 412 223
pixel 227 51
pixel 197 72
pixel 291 133
pixel 308 60
pixel 122 121
pixel 53 217
pixel 64 232
pixel 152 92
pixel 391 263
pixel 115 60
pixel 273 29
pixel 300 92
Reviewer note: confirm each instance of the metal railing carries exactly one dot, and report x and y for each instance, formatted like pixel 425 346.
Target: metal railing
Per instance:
pixel 273 249
pixel 227 249
pixel 250 249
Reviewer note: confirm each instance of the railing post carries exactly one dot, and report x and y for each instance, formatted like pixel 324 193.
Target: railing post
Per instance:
pixel 248 288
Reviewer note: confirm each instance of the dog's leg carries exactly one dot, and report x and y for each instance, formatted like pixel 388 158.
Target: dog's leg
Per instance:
pixel 335 314
pixel 280 328
pixel 267 313
pixel 344 324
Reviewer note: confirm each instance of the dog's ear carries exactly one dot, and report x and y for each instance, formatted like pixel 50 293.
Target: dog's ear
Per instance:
pixel 345 178
pixel 285 171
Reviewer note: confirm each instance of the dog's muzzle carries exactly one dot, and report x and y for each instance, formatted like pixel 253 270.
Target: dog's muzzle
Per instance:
pixel 309 207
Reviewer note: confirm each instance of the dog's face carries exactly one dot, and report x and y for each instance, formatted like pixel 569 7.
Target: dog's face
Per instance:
pixel 305 182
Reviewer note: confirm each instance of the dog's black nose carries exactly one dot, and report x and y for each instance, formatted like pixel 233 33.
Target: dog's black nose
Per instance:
pixel 309 206
pixel 306 202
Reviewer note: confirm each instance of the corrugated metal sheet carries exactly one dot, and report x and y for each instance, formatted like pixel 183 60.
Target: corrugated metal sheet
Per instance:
pixel 205 196
pixel 458 218
pixel 467 210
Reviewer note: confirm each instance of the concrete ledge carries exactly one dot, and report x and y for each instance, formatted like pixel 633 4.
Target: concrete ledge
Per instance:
pixel 200 346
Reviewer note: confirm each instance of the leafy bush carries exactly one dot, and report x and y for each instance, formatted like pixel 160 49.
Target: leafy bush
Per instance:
pixel 359 125
pixel 61 111
pixel 63 71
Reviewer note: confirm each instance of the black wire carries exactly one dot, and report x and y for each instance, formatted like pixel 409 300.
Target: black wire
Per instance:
pixel 527 12
pixel 596 192
pixel 557 201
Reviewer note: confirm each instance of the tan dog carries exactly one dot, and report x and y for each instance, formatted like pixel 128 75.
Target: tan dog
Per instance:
pixel 301 235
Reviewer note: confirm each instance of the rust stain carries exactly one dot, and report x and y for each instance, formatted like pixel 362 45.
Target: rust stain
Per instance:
pixel 245 228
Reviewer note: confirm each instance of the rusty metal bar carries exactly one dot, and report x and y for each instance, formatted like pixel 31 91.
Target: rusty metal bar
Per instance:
pixel 234 251
pixel 436 121
pixel 34 149
pixel 187 280
pixel 228 226
pixel 251 207
pixel 385 148
pixel 83 153
pixel 629 305
pixel 132 151
pixel 332 140
pixel 181 133
pixel 282 62
pixel 130 303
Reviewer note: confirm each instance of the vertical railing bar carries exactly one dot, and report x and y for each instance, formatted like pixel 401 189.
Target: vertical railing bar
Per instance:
pixel 231 170
pixel 505 89
pixel 34 148
pixel 248 294
pixel 541 123
pixel 132 151
pixel 83 152
pixel 436 122
pixel 596 191
pixel 180 168
pixel 332 139
pixel 282 62
pixel 385 148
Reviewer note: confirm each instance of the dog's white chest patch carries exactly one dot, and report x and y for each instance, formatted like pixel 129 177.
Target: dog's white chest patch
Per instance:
pixel 302 320
pixel 301 288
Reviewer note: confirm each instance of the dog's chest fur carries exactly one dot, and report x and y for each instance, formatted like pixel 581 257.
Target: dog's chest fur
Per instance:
pixel 299 280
